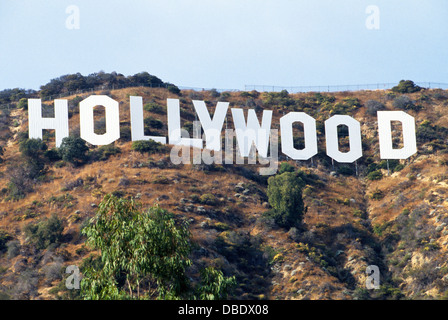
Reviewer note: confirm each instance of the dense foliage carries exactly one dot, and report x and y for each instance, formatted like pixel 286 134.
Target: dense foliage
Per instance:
pixel 285 197
pixel 143 255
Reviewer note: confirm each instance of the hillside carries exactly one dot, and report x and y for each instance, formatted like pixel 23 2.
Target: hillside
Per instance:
pixel 357 214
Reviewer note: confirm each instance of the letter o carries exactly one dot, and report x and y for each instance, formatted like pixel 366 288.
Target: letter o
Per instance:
pixel 331 138
pixel 309 131
pixel 87 121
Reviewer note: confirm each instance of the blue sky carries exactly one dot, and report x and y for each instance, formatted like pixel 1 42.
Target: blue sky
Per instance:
pixel 225 44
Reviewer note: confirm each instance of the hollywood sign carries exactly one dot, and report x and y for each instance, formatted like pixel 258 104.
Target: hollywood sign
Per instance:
pixel 248 131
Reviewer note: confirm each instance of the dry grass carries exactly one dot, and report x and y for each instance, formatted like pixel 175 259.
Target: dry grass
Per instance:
pixel 341 201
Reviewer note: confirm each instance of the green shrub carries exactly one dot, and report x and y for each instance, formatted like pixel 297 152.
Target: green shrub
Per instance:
pixel 33 151
pixel 20 181
pixel 280 99
pixel 346 171
pixel 377 194
pixel 13 248
pixel 214 93
pixel 406 86
pixel 23 104
pixel 52 155
pixel 394 165
pixel 73 149
pixel 104 152
pixel 224 96
pixel 154 108
pixel 148 146
pixel 208 198
pixel 45 232
pixel 125 133
pixel 405 103
pixel 195 198
pixel 426 132
pixel 285 167
pixel 372 106
pixel 375 175
pixel 173 89
pixel 153 123
pixel 4 238
pixel 285 197
pixel 160 179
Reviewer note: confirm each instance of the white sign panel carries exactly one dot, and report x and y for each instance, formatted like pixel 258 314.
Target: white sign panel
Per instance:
pixel 36 123
pixel 251 133
pixel 332 138
pixel 87 123
pixel 385 119
pixel 137 124
pixel 309 131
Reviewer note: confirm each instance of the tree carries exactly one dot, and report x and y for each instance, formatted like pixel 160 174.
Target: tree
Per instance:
pixel 135 245
pixel 23 104
pixel 143 254
pixel 285 197
pixel 33 151
pixel 406 86
pixel 73 149
pixel 172 88
pixel 214 285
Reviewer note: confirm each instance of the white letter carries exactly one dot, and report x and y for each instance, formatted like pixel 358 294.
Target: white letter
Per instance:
pixel 59 123
pixel 137 125
pixel 72 281
pixel 373 278
pixel 72 21
pixel 385 134
pixel 273 159
pixel 87 122
pixel 251 132
pixel 373 21
pixel 332 141
pixel 174 132
pixel 310 135
pixel 212 128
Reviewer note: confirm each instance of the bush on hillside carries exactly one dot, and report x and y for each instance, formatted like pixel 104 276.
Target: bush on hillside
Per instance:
pixel 406 86
pixel 372 106
pixel 104 152
pixel 285 197
pixel 74 149
pixel 148 146
pixel 405 103
pixel 375 175
pixel 45 232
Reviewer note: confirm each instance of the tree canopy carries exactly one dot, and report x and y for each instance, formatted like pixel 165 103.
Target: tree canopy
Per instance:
pixel 143 255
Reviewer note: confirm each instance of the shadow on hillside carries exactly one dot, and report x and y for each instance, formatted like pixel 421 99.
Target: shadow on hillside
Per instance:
pixel 247 262
pixel 342 247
